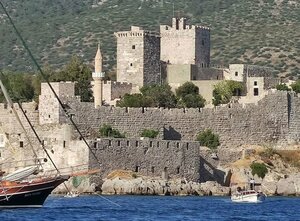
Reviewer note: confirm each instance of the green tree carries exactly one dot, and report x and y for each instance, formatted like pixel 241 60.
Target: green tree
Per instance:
pixel 19 86
pixel 224 91
pixel 296 86
pixel 259 169
pixel 162 95
pixel 282 87
pixel 149 133
pixel 209 139
pixel 107 131
pixel 135 100
pixel 187 88
pixel 76 71
pixel 188 95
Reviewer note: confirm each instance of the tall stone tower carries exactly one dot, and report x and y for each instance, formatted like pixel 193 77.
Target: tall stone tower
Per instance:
pixel 138 57
pixel 185 44
pixel 98 76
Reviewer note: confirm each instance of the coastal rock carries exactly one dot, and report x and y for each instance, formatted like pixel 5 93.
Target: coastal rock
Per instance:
pixel 269 188
pixel 289 186
pixel 150 186
pixel 286 187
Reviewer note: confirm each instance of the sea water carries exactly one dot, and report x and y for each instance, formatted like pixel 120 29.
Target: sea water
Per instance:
pixel 167 208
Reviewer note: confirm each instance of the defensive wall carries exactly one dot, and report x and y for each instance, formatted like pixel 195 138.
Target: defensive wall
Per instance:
pixel 157 158
pixel 270 120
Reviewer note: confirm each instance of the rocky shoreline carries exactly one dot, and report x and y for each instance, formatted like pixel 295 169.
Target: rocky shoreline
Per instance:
pixel 289 186
pixel 146 186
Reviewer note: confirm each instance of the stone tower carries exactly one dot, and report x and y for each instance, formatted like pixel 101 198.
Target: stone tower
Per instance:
pixel 98 76
pixel 185 44
pixel 138 57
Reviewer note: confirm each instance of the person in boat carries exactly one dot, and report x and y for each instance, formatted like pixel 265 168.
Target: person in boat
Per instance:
pixel 238 189
pixel 252 183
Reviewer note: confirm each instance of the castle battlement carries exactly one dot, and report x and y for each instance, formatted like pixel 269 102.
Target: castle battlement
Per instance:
pixel 135 32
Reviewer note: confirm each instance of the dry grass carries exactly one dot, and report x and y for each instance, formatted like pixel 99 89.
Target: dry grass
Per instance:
pixel 291 157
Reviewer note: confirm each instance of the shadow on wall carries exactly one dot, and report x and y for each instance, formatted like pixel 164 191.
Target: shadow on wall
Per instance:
pixel 171 134
pixel 209 173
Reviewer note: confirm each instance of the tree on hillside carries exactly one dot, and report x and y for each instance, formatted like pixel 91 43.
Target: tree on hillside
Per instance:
pixel 79 72
pixel 224 91
pixel 188 95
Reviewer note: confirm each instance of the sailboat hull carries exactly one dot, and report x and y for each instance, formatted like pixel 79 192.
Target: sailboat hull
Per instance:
pixel 28 194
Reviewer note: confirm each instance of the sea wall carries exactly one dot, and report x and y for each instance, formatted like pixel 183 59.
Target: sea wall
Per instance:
pixel 164 159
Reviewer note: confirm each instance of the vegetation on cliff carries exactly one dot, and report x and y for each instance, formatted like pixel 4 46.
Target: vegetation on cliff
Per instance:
pixel 259 169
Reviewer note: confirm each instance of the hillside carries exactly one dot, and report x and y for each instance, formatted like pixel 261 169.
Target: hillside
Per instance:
pixel 262 32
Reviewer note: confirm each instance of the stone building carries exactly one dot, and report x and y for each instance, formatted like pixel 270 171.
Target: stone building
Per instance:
pixel 50 111
pixel 185 44
pixel 257 80
pixel 138 57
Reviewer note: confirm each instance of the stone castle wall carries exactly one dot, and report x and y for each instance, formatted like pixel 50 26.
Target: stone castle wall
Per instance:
pixel 152 72
pixel 156 158
pixel 49 108
pixel 236 124
pixel 113 90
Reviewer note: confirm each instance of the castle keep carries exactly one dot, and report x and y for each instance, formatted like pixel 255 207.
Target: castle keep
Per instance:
pixel 185 44
pixel 138 57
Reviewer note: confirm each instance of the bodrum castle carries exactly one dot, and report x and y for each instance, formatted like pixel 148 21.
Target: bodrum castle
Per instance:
pixel 178 53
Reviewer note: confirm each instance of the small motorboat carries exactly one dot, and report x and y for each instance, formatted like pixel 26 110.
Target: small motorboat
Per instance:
pixel 248 196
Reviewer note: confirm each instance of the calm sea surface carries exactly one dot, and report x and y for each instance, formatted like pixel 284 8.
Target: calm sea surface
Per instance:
pixel 156 208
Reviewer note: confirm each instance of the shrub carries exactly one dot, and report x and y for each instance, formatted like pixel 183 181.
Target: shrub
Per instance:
pixel 296 86
pixel 108 131
pixel 224 91
pixel 209 139
pixel 282 87
pixel 149 133
pixel 259 169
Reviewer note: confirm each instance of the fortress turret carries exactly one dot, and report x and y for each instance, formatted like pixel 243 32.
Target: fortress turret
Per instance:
pixel 138 57
pixel 98 77
pixel 185 44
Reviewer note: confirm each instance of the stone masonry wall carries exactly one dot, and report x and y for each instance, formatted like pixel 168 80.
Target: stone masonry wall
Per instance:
pixel 152 71
pixel 138 60
pixel 236 124
pixel 148 157
pixel 156 158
